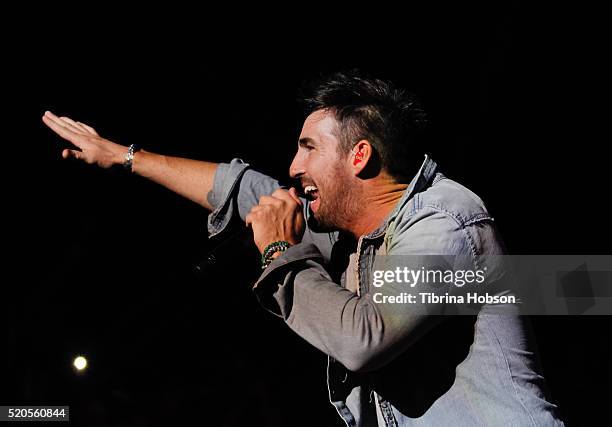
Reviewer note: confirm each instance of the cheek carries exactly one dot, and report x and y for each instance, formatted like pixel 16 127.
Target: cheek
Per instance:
pixel 328 179
pixel 323 170
pixel 313 168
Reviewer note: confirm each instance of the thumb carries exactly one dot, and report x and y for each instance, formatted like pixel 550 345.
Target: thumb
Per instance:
pixel 66 154
pixel 293 193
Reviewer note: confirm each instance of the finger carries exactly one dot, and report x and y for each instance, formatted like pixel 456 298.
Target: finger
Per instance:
pixel 54 118
pixel 294 195
pixel 49 118
pixel 66 122
pixel 81 126
pixel 89 128
pixel 72 153
pixel 279 193
pixel 67 134
pixel 71 124
pixel 289 196
pixel 286 196
pixel 76 125
pixel 269 200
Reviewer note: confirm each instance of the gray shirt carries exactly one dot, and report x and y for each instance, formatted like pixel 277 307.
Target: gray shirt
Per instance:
pixel 400 364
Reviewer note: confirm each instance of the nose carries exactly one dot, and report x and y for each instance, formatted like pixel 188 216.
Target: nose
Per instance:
pixel 296 169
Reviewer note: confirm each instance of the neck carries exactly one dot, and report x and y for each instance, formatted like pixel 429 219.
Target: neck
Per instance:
pixel 378 198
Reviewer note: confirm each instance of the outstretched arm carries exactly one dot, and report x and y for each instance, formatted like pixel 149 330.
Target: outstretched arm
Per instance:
pixel 192 179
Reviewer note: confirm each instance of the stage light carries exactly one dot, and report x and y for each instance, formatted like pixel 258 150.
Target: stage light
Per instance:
pixel 79 363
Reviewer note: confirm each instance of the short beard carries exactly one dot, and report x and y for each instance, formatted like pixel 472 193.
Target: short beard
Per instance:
pixel 336 213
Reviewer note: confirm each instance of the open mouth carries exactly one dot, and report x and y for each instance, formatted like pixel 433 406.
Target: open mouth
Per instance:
pixel 312 193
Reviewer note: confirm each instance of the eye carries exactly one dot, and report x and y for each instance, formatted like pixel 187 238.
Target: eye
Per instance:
pixel 306 144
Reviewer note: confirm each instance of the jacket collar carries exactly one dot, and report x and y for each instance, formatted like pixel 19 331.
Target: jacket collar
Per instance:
pixel 421 180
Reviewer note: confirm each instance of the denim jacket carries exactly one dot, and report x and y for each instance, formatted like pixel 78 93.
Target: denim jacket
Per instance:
pixel 390 365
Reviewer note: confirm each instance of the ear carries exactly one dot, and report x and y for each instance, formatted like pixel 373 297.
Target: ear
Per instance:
pixel 359 156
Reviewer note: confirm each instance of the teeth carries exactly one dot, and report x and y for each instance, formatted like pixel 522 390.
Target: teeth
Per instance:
pixel 309 189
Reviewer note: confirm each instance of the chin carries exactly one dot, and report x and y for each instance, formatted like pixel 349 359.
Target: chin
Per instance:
pixel 320 226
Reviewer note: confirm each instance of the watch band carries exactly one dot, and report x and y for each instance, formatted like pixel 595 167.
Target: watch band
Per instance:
pixel 129 156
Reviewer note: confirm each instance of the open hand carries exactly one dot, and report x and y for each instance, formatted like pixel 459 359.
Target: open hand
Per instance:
pixel 92 148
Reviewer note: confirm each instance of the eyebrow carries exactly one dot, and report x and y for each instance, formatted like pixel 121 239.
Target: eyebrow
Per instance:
pixel 304 141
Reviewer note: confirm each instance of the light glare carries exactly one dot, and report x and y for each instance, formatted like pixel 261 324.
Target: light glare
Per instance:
pixel 80 363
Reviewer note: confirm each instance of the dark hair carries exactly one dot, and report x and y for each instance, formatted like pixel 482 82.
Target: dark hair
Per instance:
pixel 391 119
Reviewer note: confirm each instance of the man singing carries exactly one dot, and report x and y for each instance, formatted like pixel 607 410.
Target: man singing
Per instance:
pixel 369 192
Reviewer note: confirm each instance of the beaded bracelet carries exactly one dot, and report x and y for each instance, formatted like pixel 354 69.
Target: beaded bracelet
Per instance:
pixel 271 249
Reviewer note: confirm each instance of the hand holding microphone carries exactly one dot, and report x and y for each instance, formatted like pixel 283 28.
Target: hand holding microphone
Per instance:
pixel 277 217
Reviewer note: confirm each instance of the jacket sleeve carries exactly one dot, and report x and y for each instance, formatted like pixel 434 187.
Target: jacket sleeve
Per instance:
pixel 236 189
pixel 355 330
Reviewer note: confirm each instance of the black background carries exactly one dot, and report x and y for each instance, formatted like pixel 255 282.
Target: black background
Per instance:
pixel 100 262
